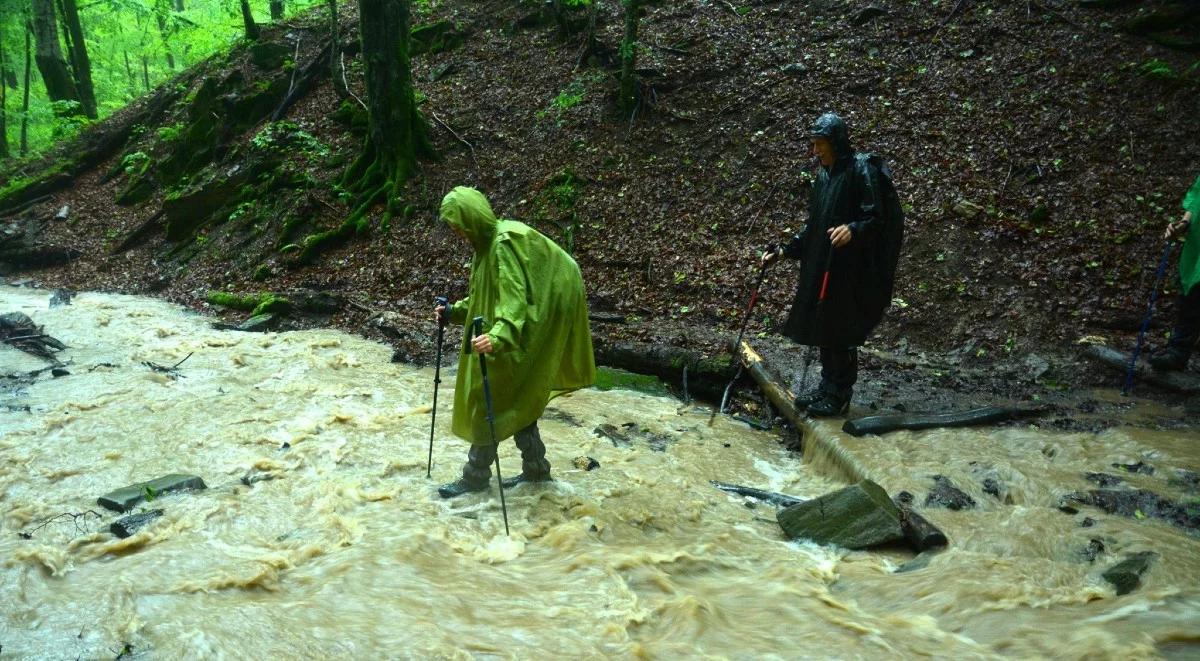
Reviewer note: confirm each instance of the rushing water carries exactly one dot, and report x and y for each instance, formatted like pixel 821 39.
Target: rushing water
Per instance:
pixel 342 548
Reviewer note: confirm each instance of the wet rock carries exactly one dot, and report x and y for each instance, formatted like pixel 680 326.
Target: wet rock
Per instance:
pixel 1126 576
pixel 259 323
pixel 63 213
pixel 856 517
pixel 1087 522
pixel 255 475
pixel 586 463
pixel 1103 479
pixel 795 69
pixel 58 371
pixel 1185 479
pixel 126 526
pixel 967 209
pixel 1138 503
pixel 919 562
pixel 991 486
pixel 866 15
pixel 1139 468
pixel 1065 508
pixel 1036 366
pixel 945 494
pixel 124 499
pixel 630 432
pixel 61 297
pixel 1094 548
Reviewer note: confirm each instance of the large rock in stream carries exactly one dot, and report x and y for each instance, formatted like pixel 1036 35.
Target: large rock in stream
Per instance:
pixel 1126 575
pixel 125 498
pixel 856 517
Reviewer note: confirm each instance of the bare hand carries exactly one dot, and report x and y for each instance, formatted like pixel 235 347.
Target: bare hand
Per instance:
pixel 437 314
pixel 840 235
pixel 482 344
pixel 1177 228
pixel 770 256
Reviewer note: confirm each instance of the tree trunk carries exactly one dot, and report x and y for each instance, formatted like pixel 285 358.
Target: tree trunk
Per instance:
pixel 335 53
pixel 25 92
pixel 164 32
pixel 146 72
pixel 276 10
pixel 178 5
pixel 627 99
pixel 3 103
pixel 252 31
pixel 59 84
pixel 396 133
pixel 81 64
pixel 131 75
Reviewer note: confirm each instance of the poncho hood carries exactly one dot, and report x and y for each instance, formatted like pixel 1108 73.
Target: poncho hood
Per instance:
pixel 468 211
pixel 831 127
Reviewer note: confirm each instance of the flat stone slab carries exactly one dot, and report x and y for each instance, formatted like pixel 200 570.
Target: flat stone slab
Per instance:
pixel 1126 575
pixel 124 499
pixel 856 517
pixel 126 526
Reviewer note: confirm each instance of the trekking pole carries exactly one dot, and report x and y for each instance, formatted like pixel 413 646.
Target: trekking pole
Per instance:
pixel 440 301
pixel 487 398
pixel 737 346
pixel 1158 278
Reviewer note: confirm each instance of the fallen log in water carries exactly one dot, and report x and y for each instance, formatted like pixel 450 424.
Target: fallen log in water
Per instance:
pixel 881 424
pixel 780 397
pixel 1119 361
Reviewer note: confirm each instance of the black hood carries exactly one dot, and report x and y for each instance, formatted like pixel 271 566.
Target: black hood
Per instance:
pixel 832 128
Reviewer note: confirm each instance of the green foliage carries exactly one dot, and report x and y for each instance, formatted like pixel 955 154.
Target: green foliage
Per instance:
pixel 1156 68
pixel 287 137
pixel 608 378
pixel 263 303
pixel 135 163
pixel 171 133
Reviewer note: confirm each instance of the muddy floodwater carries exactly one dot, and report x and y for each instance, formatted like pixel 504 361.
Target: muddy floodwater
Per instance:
pixel 321 537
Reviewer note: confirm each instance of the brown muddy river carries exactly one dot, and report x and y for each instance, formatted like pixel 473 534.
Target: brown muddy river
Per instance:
pixel 343 549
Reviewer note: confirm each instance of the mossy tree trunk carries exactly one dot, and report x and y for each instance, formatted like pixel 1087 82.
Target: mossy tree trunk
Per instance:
pixel 397 135
pixel 628 97
pixel 25 91
pixel 60 86
pixel 81 64
pixel 4 77
pixel 252 31
pixel 161 12
pixel 276 10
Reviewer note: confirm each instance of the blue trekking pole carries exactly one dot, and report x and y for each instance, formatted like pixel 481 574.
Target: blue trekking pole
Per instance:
pixel 1158 278
pixel 487 399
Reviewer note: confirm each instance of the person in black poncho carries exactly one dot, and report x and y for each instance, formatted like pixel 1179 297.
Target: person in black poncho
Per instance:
pixel 848 253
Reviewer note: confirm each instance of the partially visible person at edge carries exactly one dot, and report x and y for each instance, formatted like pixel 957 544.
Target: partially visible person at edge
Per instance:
pixel 1187 321
pixel 530 294
pixel 844 236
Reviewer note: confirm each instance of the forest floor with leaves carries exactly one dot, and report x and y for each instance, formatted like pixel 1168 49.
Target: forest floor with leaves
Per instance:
pixel 1038 151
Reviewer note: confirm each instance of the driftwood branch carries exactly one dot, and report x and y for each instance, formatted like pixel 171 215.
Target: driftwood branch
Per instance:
pixel 456 136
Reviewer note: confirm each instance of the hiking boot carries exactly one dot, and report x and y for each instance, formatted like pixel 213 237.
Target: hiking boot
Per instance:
pixel 534 467
pixel 830 405
pixel 476 473
pixel 1170 359
pixel 808 399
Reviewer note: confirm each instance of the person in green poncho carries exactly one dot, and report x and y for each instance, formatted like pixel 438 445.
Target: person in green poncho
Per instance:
pixel 1187 322
pixel 530 295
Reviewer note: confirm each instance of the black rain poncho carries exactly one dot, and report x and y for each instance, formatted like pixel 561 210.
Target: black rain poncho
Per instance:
pixel 862 272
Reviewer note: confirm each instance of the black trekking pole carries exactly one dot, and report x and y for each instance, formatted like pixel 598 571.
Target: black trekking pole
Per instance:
pixel 443 302
pixel 487 399
pixel 1158 278
pixel 737 346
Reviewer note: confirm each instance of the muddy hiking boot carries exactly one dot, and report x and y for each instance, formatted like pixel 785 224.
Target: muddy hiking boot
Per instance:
pixel 809 398
pixel 476 473
pixel 1170 359
pixel 830 404
pixel 534 467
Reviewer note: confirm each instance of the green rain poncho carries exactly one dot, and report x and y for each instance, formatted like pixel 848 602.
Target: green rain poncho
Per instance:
pixel 530 294
pixel 1189 262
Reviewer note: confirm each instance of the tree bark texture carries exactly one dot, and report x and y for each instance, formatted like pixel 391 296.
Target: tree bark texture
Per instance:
pixel 628 95
pixel 276 10
pixel 60 86
pixel 164 32
pixel 25 91
pixel 80 63
pixel 252 31
pixel 335 52
pixel 4 153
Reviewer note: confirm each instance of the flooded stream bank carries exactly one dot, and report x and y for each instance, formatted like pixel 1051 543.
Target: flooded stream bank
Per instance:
pixel 346 549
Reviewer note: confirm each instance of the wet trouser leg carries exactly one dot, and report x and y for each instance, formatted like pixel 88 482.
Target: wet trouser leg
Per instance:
pixel 475 475
pixel 1187 324
pixel 839 370
pixel 533 453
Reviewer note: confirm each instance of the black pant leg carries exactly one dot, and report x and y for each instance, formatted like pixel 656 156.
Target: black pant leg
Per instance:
pixel 839 368
pixel 1187 324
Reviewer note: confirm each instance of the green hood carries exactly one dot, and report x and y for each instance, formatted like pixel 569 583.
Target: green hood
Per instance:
pixel 467 210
